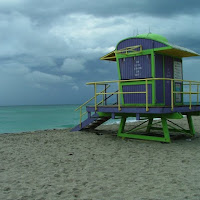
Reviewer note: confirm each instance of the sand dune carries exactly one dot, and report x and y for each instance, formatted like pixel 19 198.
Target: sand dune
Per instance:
pixel 58 164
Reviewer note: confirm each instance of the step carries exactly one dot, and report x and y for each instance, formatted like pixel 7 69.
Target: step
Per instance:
pixel 91 123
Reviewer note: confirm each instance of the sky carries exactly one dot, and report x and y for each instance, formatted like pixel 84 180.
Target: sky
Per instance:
pixel 50 49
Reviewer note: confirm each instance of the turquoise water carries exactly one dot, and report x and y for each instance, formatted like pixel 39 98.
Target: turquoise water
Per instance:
pixel 15 119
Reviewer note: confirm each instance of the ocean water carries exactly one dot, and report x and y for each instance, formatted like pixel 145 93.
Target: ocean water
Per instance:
pixel 15 119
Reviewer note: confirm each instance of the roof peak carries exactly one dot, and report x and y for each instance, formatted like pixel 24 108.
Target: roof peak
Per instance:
pixel 152 36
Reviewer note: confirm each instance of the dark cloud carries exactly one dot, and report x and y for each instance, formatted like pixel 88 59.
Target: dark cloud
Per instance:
pixel 50 49
pixel 49 9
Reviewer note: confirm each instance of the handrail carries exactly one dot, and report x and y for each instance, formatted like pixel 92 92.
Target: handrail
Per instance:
pixel 131 49
pixel 173 92
pixel 90 99
pixel 147 81
pixel 94 97
pixel 144 79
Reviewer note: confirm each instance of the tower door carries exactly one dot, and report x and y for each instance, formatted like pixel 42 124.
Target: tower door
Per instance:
pixel 168 61
pixel 159 83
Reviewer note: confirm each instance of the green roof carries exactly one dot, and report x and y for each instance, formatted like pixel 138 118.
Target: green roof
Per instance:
pixel 152 36
pixel 170 49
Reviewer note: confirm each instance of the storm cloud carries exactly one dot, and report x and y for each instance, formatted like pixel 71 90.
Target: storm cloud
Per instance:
pixel 49 49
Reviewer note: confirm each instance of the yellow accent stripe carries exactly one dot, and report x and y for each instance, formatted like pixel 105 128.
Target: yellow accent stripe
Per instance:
pixel 131 80
pixel 128 50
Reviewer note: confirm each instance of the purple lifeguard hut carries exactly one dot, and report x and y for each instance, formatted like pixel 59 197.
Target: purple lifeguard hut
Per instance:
pixel 150 86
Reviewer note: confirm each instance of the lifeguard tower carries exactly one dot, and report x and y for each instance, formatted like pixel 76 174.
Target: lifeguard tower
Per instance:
pixel 150 86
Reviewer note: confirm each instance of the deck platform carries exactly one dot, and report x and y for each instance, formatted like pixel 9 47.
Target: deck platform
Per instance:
pixel 142 110
pixel 164 113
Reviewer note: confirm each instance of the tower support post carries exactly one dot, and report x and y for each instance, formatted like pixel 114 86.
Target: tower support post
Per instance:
pixel 190 124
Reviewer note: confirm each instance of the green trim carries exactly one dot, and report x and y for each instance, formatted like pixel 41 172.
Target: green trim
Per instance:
pixel 150 121
pixel 174 116
pixel 163 40
pixel 137 104
pixel 142 137
pixel 190 124
pixel 130 133
pixel 164 77
pixel 178 104
pixel 155 37
pixel 136 83
pixel 121 126
pixel 103 114
pixel 153 65
pixel 142 105
pixel 153 76
pixel 149 127
pixel 121 95
pixel 162 48
pixel 118 67
pixel 159 104
pixel 165 130
pixel 167 116
pixel 119 75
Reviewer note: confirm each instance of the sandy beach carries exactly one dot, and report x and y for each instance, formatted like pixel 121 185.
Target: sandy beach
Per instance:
pixel 59 164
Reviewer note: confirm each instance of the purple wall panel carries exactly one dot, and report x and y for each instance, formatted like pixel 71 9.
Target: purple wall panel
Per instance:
pixel 146 43
pixel 135 67
pixel 159 74
pixel 168 74
pixel 126 68
pixel 137 98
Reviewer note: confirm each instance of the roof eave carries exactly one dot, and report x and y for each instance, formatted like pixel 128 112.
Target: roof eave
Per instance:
pixel 110 56
pixel 177 52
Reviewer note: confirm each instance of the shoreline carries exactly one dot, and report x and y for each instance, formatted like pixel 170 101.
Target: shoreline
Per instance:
pixel 66 128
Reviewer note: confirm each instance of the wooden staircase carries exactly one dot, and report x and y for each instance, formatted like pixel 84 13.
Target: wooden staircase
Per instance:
pixel 91 123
